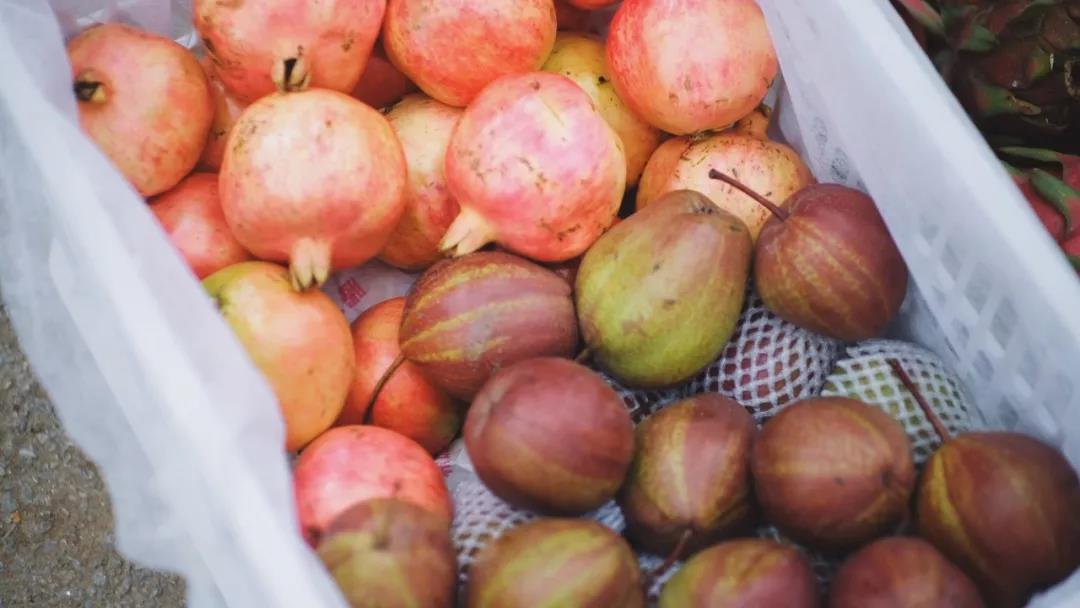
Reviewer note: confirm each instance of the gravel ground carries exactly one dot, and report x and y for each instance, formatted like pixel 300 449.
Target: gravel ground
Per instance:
pixel 56 541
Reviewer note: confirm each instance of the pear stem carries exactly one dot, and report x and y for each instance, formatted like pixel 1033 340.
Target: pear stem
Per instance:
pixel 389 373
pixel 906 380
pixel 675 555
pixel 781 214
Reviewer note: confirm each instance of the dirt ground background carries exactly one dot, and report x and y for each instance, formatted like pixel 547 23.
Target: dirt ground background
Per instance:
pixel 56 540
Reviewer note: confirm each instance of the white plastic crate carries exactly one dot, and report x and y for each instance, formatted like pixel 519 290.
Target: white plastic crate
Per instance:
pixel 149 381
pixel 994 296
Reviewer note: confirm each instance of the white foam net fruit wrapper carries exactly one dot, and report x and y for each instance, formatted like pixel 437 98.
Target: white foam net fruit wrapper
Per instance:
pixel 649 562
pixel 865 374
pixel 768 363
pixel 642 403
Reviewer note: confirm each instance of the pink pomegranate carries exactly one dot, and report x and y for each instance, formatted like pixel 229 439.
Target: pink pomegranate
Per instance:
pixel 535 168
pixel 423 127
pixel 262 46
pixel 316 178
pixel 691 65
pixel 351 464
pixel 662 163
pixel 299 341
pixel 580 57
pixel 226 111
pixel 768 167
pixel 144 101
pixel 407 402
pixel 454 48
pixel 191 215
pixel 382 84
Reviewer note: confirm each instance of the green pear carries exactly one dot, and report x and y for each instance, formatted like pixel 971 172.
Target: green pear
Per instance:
pixel 659 294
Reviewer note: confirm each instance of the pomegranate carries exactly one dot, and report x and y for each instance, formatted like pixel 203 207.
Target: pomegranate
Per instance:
pixel 659 168
pixel 260 46
pixel 768 167
pixel 191 215
pixel 423 127
pixel 351 464
pixel 408 402
pixel 299 341
pixel 144 101
pixel 316 178
pixel 691 65
pixel 453 49
pixel 226 111
pixel 580 58
pixel 534 167
pixel 382 84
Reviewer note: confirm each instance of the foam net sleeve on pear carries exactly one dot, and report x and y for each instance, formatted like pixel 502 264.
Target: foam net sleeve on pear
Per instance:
pixel 768 363
pixel 649 562
pixel 642 403
pixel 865 374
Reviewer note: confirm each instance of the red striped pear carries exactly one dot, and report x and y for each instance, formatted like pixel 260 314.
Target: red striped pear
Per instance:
pixel 556 562
pixel 468 317
pixel 1000 505
pixel 550 435
pixel 690 477
pixel 1003 507
pixel 897 571
pixel 743 573
pixel 832 472
pixel 390 553
pixel 826 262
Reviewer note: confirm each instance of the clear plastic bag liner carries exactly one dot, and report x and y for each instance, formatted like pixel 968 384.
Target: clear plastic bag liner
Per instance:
pixel 144 374
pixel 358 289
pixel 149 381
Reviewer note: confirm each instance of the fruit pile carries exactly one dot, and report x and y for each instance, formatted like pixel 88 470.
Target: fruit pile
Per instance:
pixel 631 306
pixel 1013 64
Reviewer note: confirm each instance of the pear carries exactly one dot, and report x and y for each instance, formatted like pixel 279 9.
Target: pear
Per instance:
pixel 1003 507
pixel 833 473
pixel 1000 505
pixel 549 435
pixel 743 573
pixel 658 295
pixel 390 553
pixel 556 562
pixel 826 262
pixel 671 500
pixel 897 572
